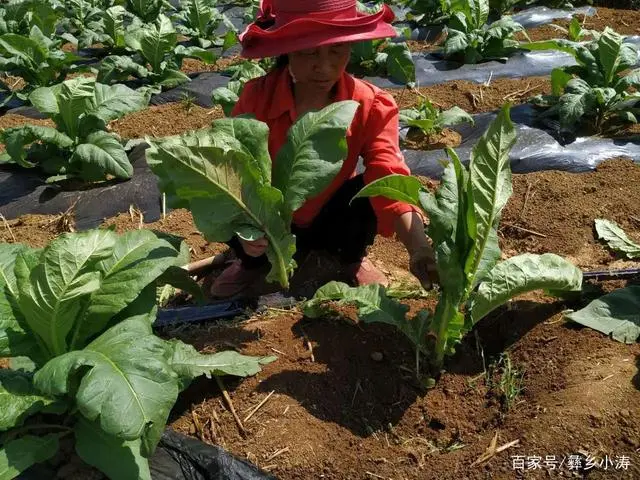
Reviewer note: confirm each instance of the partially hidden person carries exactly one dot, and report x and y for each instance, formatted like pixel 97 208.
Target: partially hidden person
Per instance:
pixel 311 40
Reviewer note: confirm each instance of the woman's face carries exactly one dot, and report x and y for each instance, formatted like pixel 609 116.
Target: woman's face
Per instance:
pixel 320 68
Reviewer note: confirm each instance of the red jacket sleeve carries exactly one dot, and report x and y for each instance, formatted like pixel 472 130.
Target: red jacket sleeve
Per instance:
pixel 247 97
pixel 382 156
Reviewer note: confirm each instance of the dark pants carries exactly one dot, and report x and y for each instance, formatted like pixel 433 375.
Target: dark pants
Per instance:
pixel 342 229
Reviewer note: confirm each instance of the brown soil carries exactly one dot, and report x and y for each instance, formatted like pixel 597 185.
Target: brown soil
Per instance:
pixel 561 208
pixel 625 22
pixel 474 97
pixel 345 405
pixel 193 65
pixel 416 140
pixel 14 83
pixel 164 120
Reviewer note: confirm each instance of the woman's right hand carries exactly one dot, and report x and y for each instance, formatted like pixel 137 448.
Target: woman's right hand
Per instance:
pixel 254 248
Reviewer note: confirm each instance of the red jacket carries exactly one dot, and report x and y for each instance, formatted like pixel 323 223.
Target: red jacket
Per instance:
pixel 373 135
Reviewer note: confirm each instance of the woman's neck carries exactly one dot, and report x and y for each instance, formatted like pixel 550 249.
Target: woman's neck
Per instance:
pixel 307 99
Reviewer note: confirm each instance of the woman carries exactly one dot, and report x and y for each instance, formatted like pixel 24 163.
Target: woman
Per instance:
pixel 312 40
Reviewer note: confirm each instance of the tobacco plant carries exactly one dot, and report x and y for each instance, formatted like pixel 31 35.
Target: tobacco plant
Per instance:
pixel 431 120
pixel 464 215
pixel 383 58
pixel 20 16
pixel 36 59
pixel 224 176
pixel 158 57
pixel 228 96
pixel 79 146
pixel 471 40
pixel 200 20
pixel 76 316
pixel 426 12
pixel 598 94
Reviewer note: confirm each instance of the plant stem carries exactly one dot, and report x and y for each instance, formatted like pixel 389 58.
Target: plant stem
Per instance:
pixel 418 363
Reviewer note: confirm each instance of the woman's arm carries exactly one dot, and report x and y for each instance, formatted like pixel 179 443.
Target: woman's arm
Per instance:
pixel 409 228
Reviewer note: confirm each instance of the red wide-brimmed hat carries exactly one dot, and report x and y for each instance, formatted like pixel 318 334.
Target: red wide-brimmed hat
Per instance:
pixel 285 26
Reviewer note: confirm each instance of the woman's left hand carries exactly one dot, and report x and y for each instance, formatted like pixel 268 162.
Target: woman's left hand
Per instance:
pixel 422 264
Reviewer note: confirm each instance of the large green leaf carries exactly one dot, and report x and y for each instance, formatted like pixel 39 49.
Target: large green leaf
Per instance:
pixel 101 154
pixel 226 98
pixel 313 154
pixel 16 139
pixel 18 455
pixel 154 41
pixel 616 238
pixel 224 187
pixel 373 306
pixel 114 25
pixel 189 364
pixel 73 97
pixel 112 102
pixel 123 381
pixel 453 116
pixel 399 63
pixel 55 292
pixel 403 188
pixel 138 258
pixel 117 458
pixel 521 274
pixel 616 314
pixel 609 45
pixel 490 178
pixel 146 10
pixel 18 398
pixel 118 68
pixel 22 47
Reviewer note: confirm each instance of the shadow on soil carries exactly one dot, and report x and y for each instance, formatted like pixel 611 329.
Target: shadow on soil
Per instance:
pixel 636 377
pixel 352 387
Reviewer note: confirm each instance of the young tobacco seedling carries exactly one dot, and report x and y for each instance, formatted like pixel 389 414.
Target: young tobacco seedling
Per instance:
pixel 471 40
pixel 224 176
pixel 431 120
pixel 158 59
pixel 79 146
pixel 385 58
pixel 594 95
pixel 228 96
pixel 463 215
pixel 80 310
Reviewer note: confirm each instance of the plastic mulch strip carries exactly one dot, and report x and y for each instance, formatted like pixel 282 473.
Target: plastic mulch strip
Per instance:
pixel 535 148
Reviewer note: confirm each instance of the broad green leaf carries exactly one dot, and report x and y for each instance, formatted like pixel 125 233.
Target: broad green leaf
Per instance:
pixel 223 186
pixel 559 80
pixel 373 306
pixel 313 154
pixel 138 258
pixel 616 238
pixel 146 10
pixel 479 10
pixel 616 314
pixel 18 455
pixel 154 41
pixel 572 107
pixel 18 398
pixel 16 139
pixel 112 102
pixel 118 68
pixel 399 63
pixel 114 25
pixel 403 188
pixel 188 363
pixel 521 274
pixel 455 43
pixel 74 97
pixel 207 56
pixel 171 78
pixel 565 46
pixel 490 177
pixel 117 458
pixel 101 154
pixel 609 45
pixel 23 47
pixel 252 138
pixel 123 381
pixel 55 292
pixel 225 98
pixel 453 116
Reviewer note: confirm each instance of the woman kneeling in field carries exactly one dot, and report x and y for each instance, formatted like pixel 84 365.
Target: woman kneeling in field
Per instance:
pixel 312 41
